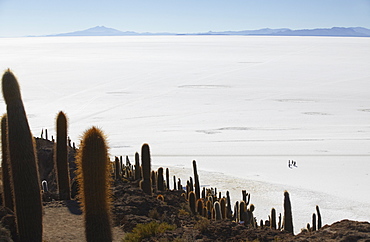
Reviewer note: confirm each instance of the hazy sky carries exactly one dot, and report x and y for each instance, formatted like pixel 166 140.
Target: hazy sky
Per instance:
pixel 38 17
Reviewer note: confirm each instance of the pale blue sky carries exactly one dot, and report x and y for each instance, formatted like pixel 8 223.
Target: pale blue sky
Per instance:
pixel 39 17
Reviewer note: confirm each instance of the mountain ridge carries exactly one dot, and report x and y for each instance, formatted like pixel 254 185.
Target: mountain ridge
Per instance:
pixel 334 31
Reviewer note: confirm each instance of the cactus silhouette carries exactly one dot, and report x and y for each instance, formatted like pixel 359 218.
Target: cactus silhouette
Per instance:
pixel 5 166
pixel 218 214
pixel 174 182
pixel 179 185
pixel 273 219
pixel 23 163
pixel 223 207
pixel 61 161
pixel 319 222
pixel 167 179
pixel 154 180
pixel 209 206
pixel 242 211
pixel 279 223
pixel 287 219
pixel 146 182
pixel 117 168
pixel 137 167
pixel 200 206
pixel 236 216
pixel 229 212
pixel 196 180
pixel 192 199
pixel 250 217
pixel 160 181
pixel 313 222
pixel 93 172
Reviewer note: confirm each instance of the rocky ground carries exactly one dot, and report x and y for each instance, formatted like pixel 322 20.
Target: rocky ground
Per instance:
pixel 63 221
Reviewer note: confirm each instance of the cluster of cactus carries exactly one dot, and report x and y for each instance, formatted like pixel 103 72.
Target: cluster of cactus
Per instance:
pixel 216 207
pixel 149 180
pixel 21 183
pixel 316 221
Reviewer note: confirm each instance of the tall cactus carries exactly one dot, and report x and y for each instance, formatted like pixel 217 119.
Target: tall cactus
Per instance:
pixel 287 219
pixel 154 180
pixel 23 162
pixel 243 211
pixel 179 185
pixel 218 214
pixel 319 222
pixel 160 180
pixel 192 200
pixel 167 179
pixel 273 219
pixel 200 206
pixel 228 206
pixel 137 167
pixel 313 222
pixel 5 166
pixel 146 182
pixel 61 158
pixel 94 178
pixel 223 207
pixel 117 168
pixel 196 180
pixel 174 182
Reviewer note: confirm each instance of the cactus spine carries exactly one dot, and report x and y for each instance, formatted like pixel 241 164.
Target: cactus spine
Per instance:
pixel 23 162
pixel 287 219
pixel 61 160
pixel 93 177
pixel 196 177
pixel 146 182
pixel 5 166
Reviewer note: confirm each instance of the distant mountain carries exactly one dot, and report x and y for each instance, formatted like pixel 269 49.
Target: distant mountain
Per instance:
pixel 97 31
pixel 335 31
pixel 104 31
pixel 266 31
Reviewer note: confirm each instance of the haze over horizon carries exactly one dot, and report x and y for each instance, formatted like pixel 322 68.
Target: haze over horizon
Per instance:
pixel 23 18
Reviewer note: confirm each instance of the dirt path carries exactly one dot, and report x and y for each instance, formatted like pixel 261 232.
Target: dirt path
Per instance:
pixel 65 223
